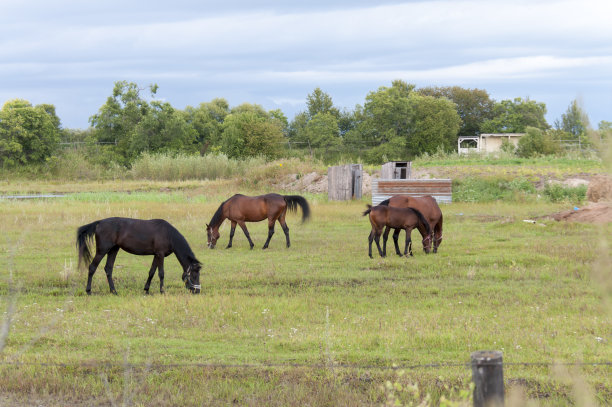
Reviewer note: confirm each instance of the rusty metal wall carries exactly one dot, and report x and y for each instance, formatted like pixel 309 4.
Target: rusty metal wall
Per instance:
pixel 440 189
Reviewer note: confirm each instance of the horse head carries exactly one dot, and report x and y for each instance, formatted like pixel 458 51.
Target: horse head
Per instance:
pixel 212 235
pixel 191 277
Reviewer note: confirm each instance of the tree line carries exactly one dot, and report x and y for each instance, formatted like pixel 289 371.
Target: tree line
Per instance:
pixel 395 122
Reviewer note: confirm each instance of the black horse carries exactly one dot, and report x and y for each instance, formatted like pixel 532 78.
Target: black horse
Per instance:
pixel 141 237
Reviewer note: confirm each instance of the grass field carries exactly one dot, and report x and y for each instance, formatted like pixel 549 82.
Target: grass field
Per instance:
pixel 317 324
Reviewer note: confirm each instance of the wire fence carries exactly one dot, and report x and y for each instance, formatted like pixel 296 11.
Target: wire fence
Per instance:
pixel 316 366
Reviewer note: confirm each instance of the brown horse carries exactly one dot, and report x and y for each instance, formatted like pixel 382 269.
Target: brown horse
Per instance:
pixel 240 209
pixel 397 218
pixel 428 206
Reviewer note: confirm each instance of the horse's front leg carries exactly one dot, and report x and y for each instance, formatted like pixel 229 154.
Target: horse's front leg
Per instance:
pixel 151 274
pixel 246 233
pixel 271 223
pixel 232 230
pixel 377 240
pixel 396 233
pixel 108 268
pixel 160 272
pixel 408 248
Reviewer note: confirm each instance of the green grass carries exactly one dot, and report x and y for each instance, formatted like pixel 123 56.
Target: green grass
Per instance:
pixel 497 283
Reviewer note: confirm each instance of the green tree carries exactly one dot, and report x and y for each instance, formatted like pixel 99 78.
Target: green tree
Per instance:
pixel 514 116
pixel 574 123
pixel 473 105
pixel 410 122
pixel 536 142
pixel 118 117
pixel 28 134
pixel 162 129
pixel 207 120
pixel 320 102
pixel 251 131
pixel 434 124
pixel 321 131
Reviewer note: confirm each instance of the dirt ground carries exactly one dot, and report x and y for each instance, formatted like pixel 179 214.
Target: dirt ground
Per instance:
pixel 599 208
pixel 599 212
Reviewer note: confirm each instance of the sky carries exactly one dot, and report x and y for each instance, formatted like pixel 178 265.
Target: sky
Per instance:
pixel 69 53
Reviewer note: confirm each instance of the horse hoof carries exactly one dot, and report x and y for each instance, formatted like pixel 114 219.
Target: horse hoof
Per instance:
pixel 88 292
pixel 114 292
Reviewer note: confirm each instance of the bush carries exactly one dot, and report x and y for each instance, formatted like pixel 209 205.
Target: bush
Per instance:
pixel 559 193
pixel 492 189
pixel 536 142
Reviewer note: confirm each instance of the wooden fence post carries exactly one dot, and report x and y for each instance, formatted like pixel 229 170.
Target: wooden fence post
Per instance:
pixel 488 378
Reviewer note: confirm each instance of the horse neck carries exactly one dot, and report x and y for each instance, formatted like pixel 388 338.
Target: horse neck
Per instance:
pixel 183 254
pixel 218 217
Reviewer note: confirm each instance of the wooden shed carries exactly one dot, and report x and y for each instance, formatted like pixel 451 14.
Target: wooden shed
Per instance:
pixel 344 182
pixel 396 170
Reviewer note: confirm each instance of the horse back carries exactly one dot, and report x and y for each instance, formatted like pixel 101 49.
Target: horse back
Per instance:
pixel 394 217
pixel 427 205
pixel 254 208
pixel 136 236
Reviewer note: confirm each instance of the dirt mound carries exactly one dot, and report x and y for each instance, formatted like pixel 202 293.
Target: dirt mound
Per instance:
pixel 600 212
pixel 600 189
pixel 316 183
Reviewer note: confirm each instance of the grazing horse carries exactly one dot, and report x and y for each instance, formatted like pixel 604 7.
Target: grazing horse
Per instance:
pixel 428 206
pixel 140 237
pixel 240 209
pixel 397 218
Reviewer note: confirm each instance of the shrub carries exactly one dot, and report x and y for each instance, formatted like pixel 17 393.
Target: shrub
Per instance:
pixel 474 189
pixel 559 193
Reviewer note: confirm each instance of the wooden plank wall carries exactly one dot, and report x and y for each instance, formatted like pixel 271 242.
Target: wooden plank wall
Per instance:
pixel 440 189
pixel 344 182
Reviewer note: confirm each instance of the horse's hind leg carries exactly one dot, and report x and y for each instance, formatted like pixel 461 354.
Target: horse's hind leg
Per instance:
pixel 232 230
pixel 283 224
pixel 246 233
pixel 271 223
pixel 151 274
pixel 108 268
pixel 92 269
pixel 385 237
pixel 370 239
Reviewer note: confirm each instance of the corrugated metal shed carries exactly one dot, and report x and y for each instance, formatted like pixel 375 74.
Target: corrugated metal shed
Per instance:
pixel 440 189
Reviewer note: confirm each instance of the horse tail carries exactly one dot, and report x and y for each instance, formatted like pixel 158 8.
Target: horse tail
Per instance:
pixel 292 203
pixel 368 210
pixel 385 202
pixel 422 220
pixel 84 235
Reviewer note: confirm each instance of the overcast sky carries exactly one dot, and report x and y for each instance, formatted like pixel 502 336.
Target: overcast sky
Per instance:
pixel 69 53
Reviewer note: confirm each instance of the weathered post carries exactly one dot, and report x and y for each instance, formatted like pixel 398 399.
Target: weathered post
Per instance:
pixel 488 378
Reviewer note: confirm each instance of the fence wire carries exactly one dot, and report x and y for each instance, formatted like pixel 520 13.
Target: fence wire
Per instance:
pixel 322 366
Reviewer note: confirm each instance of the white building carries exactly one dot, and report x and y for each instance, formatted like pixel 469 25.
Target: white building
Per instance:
pixel 486 142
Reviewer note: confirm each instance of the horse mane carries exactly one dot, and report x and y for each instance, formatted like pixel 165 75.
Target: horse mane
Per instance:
pixel 218 216
pixel 422 220
pixel 385 202
pixel 180 245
